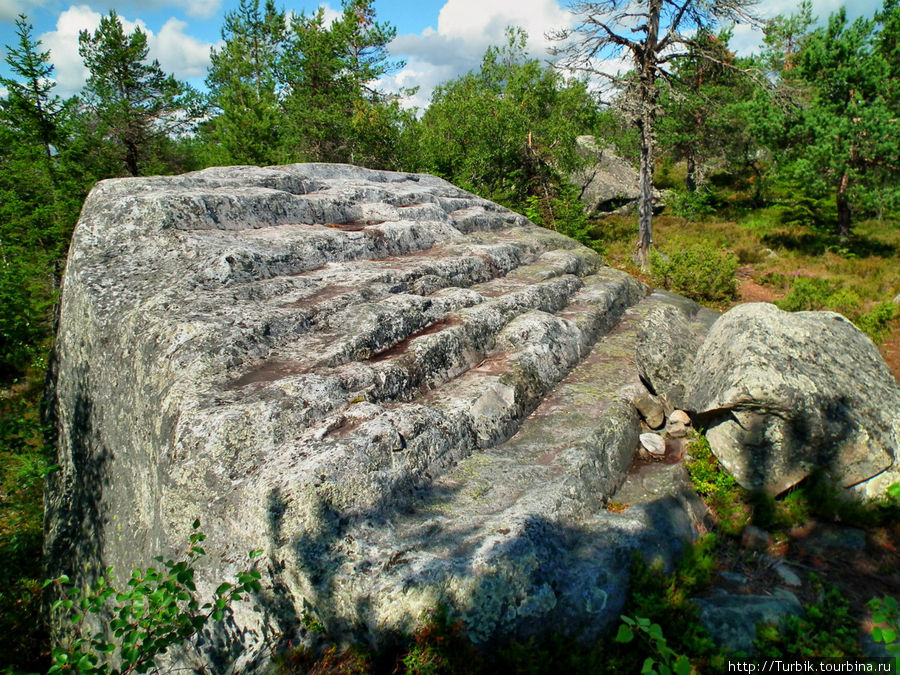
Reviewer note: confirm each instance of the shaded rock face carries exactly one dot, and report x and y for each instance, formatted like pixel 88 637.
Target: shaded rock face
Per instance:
pixel 402 393
pixel 782 394
pixel 669 339
pixel 608 183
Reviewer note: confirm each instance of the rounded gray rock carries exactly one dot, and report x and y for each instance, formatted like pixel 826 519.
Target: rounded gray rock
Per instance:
pixel 782 394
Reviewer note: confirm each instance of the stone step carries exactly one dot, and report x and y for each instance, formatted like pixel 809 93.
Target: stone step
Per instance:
pixel 480 408
pixel 520 516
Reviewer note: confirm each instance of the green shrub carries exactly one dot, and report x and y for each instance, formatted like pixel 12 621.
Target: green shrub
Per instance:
pixel 826 630
pixel 877 322
pixel 814 293
pixel 886 617
pixel 565 214
pixel 807 294
pixel 156 611
pixel 664 659
pixel 697 270
pixel 717 486
pixel 693 205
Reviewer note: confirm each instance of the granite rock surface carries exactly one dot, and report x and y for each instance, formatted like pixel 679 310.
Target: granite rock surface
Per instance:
pixel 404 394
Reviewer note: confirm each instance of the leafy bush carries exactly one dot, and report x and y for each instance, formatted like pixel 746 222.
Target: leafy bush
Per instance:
pixel 697 270
pixel 814 293
pixel 877 322
pixel 826 630
pixel 693 205
pixel 807 294
pixel 565 214
pixel 886 617
pixel 665 660
pixel 720 489
pixel 158 610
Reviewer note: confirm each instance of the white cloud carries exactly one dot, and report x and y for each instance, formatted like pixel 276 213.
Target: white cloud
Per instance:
pixel 63 46
pixel 4 92
pixel 201 9
pixel 179 53
pixel 465 28
pixel 10 9
pixel 330 14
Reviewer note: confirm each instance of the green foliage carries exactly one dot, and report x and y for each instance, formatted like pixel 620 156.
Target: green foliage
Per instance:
pixel 132 100
pixel 697 270
pixel 440 647
pixel 886 620
pixel 825 630
pixel 720 489
pixel 331 111
pixel 156 611
pixel 507 132
pixel 815 293
pixel 693 205
pixel 665 660
pixel 878 322
pixel 30 106
pixel 24 463
pixel 838 138
pixel 244 87
pixel 565 214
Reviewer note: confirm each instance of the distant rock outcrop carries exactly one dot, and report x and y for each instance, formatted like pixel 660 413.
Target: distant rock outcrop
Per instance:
pixel 783 394
pixel 402 393
pixel 608 183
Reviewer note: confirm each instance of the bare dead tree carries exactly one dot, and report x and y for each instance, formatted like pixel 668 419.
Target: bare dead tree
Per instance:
pixel 650 35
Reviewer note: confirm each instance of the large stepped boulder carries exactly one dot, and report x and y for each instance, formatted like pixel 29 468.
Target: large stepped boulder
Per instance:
pixel 404 394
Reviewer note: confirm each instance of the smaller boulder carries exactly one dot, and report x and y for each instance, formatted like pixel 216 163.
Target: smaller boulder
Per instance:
pixel 731 619
pixel 784 394
pixel 665 352
pixel 651 409
pixel 654 444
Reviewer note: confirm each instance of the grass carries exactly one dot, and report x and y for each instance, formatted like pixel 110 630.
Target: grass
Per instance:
pixel 782 248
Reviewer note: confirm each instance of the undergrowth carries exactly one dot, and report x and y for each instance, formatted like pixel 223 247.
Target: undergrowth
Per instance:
pixel 24 462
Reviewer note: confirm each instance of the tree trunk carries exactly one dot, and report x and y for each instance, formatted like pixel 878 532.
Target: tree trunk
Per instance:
pixel 645 218
pixel 131 158
pixel 690 182
pixel 648 95
pixel 843 207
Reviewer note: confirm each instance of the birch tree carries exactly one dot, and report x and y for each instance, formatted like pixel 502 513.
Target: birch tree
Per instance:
pixel 650 36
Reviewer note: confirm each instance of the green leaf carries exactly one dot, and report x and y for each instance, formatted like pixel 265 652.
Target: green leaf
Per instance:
pixel 889 635
pixel 647 668
pixel 682 666
pixel 196 524
pixel 259 552
pixel 625 634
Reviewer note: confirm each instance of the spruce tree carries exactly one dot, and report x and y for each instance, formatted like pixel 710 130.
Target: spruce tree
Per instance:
pixel 134 103
pixel 31 107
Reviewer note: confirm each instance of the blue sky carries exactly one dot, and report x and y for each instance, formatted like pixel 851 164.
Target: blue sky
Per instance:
pixel 439 39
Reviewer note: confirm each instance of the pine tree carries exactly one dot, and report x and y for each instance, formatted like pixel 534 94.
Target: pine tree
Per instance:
pixel 334 112
pixel 845 134
pixel 244 86
pixel 133 102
